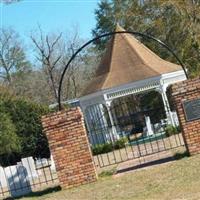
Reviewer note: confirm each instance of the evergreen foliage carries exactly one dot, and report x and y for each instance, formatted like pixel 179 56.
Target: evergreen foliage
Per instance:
pixel 9 141
pixel 24 125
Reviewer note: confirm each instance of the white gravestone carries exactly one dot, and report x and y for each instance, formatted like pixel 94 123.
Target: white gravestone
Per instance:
pixel 17 179
pixel 148 126
pixel 29 164
pixel 3 180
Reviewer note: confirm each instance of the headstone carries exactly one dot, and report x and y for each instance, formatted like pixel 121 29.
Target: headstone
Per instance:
pixel 148 126
pixel 18 181
pixel 29 164
pixel 3 181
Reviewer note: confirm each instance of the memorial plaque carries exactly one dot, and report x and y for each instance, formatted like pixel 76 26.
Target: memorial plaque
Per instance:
pixel 192 109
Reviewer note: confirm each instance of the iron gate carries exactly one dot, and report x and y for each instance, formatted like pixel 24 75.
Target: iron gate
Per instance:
pixel 133 134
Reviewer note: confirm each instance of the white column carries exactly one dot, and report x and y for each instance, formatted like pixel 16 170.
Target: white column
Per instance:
pixel 113 127
pixel 167 106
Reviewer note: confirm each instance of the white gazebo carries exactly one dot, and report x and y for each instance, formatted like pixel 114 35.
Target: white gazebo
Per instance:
pixel 127 67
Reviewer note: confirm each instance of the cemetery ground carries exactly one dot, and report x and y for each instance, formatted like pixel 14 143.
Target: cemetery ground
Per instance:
pixel 177 179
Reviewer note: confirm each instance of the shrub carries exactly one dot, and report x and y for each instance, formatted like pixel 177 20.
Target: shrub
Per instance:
pixel 9 141
pixel 108 147
pixel 26 117
pixel 121 143
pixel 171 130
pixel 97 149
pixel 102 148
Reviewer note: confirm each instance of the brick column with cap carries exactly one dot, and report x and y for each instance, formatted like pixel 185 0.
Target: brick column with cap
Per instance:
pixel 69 146
pixel 181 94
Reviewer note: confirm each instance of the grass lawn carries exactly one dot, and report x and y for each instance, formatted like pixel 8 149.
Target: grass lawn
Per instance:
pixel 175 180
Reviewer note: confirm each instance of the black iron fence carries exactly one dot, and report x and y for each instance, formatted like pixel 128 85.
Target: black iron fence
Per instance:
pixel 132 135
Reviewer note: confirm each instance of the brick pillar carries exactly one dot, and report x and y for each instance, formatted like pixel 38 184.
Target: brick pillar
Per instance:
pixel 69 146
pixel 182 92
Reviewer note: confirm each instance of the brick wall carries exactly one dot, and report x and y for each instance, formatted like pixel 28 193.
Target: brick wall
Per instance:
pixel 69 147
pixel 184 91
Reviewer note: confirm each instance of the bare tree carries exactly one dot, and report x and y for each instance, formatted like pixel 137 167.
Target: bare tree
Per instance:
pixel 12 56
pixel 82 67
pixel 53 51
pixel 72 44
pixel 49 56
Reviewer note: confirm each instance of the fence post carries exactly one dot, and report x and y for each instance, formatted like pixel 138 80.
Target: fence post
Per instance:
pixel 69 146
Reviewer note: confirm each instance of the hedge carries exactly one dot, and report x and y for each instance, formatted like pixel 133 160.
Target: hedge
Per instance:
pixel 108 147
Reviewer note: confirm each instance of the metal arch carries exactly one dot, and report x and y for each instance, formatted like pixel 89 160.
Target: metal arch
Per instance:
pixel 108 34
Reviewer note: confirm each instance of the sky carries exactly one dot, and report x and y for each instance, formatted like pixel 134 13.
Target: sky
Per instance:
pixel 51 15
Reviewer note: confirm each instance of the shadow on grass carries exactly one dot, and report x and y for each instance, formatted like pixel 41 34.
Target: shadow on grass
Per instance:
pixel 37 194
pixel 147 164
pixel 176 156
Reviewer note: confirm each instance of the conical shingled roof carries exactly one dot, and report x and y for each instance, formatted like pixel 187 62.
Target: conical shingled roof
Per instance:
pixel 127 60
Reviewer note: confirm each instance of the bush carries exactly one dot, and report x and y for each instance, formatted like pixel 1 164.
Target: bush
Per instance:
pixel 121 143
pixel 102 148
pixel 108 147
pixel 9 141
pixel 26 117
pixel 171 130
pixel 97 149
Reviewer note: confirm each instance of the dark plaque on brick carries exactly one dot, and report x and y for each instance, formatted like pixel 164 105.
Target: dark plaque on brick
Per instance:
pixel 192 109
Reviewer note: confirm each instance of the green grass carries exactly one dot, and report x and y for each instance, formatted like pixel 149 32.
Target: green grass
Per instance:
pixel 107 173
pixel 175 180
